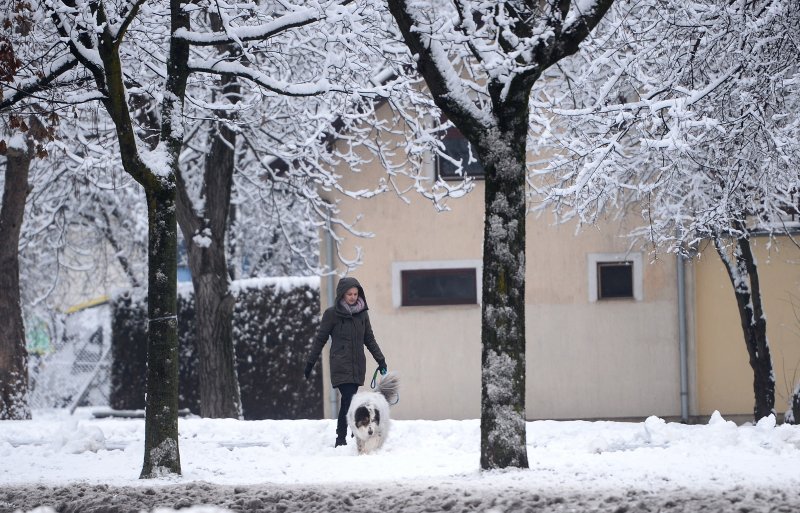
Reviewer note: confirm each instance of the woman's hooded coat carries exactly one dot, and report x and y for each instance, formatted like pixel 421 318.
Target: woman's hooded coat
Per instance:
pixel 349 334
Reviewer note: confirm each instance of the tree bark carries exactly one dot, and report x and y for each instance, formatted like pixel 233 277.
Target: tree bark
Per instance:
pixel 503 338
pixel 743 273
pixel 157 177
pixel 499 140
pixel 161 454
pixel 13 353
pixel 214 303
pixel 205 234
pixel 503 440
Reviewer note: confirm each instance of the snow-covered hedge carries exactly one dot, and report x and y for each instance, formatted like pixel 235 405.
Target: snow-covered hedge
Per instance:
pixel 273 323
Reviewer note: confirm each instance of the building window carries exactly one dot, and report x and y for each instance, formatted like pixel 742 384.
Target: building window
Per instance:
pixel 425 287
pixel 436 282
pixel 615 276
pixel 458 149
pixel 614 280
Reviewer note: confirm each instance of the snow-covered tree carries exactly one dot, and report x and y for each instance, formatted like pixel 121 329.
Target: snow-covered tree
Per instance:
pixel 85 222
pixel 19 152
pixel 687 110
pixel 88 37
pixel 480 60
pixel 22 140
pixel 127 55
pixel 274 142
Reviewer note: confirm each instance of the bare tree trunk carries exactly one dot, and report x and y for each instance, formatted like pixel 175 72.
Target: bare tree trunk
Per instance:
pixel 13 353
pixel 219 383
pixel 503 439
pixel 205 234
pixel 161 455
pixel 205 239
pixel 743 273
pixel 233 255
pixel 161 451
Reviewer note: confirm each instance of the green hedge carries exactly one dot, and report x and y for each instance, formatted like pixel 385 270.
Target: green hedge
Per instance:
pixel 273 323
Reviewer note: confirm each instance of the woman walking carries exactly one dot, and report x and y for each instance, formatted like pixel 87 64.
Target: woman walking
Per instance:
pixel 347 324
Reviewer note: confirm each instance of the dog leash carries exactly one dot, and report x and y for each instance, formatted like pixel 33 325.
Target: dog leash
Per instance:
pixel 374 383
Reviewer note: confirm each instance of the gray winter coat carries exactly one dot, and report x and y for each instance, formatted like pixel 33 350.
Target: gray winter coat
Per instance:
pixel 349 334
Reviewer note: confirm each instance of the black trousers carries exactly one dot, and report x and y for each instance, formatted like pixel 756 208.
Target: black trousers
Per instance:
pixel 346 392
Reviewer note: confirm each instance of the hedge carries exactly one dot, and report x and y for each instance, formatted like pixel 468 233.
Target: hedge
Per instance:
pixel 274 321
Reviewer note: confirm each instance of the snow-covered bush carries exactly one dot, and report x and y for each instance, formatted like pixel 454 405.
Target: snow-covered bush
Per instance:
pixel 274 320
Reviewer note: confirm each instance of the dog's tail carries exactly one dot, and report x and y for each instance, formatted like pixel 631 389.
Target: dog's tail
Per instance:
pixel 388 387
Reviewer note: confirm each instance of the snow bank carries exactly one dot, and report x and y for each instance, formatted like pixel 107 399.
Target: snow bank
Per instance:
pixel 56 449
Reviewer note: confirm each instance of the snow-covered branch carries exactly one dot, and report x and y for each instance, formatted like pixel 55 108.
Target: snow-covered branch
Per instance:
pixel 296 16
pixel 30 86
pixel 688 110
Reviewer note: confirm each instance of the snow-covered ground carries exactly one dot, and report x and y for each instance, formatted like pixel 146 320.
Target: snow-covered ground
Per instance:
pixel 82 463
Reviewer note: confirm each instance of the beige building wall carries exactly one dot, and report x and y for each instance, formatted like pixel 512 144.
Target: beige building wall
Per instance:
pixel 607 358
pixel 585 359
pixel 436 350
pixel 725 379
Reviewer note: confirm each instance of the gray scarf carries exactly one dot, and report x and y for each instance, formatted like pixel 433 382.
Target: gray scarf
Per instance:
pixel 354 309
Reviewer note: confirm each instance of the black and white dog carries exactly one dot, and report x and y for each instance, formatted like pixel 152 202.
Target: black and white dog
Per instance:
pixel 368 416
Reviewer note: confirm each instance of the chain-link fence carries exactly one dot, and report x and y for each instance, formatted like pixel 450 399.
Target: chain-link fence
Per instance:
pixel 69 359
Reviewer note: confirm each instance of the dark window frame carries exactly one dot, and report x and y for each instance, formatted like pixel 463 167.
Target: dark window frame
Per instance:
pixel 407 274
pixel 626 264
pixel 473 169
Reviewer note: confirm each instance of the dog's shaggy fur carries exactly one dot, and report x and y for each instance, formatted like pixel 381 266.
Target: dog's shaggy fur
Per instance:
pixel 368 416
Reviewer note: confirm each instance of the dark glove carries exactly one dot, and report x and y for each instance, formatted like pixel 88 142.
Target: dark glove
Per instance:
pixel 382 367
pixel 308 369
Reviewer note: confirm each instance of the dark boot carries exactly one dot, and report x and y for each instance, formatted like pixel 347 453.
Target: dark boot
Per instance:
pixel 340 440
